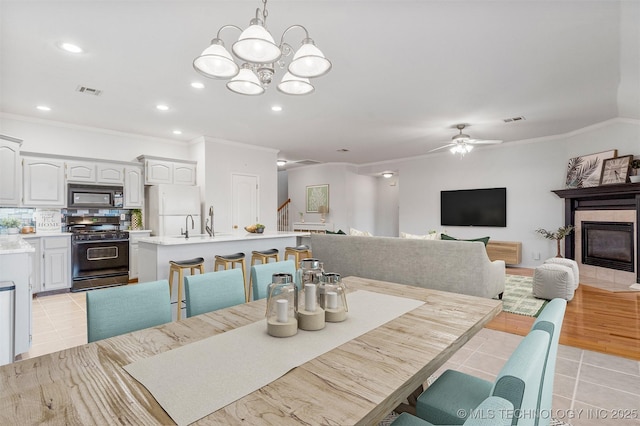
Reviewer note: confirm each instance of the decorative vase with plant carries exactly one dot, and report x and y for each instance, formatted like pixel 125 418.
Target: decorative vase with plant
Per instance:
pixel 136 219
pixel 635 166
pixel 12 224
pixel 558 235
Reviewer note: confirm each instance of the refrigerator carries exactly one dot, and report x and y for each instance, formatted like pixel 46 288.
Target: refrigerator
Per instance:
pixel 167 208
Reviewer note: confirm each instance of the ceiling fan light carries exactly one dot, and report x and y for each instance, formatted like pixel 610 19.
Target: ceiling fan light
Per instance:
pixel 454 149
pixel 468 147
pixel 309 61
pixel 246 83
pixel 292 85
pixel 216 62
pixel 256 45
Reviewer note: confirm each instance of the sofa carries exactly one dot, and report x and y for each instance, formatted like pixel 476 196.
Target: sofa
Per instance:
pixel 455 266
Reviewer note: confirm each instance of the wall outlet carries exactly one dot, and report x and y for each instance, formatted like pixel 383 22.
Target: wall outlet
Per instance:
pixel 122 216
pixel 535 255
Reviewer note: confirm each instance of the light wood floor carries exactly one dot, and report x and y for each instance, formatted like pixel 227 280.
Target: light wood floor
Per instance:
pixel 595 319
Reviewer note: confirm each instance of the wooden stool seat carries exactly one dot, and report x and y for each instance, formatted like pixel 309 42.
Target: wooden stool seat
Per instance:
pixel 264 255
pixel 299 253
pixel 179 266
pixel 232 260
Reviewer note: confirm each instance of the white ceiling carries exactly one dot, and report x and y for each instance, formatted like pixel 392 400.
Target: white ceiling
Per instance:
pixel 404 72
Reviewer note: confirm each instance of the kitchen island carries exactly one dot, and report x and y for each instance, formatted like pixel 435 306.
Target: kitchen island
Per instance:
pixel 15 269
pixel 154 253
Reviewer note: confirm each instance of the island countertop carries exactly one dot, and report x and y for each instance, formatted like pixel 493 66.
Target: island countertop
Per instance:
pixel 178 240
pixel 11 244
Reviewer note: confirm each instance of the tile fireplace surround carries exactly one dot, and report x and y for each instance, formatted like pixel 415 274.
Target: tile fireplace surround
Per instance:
pixel 607 203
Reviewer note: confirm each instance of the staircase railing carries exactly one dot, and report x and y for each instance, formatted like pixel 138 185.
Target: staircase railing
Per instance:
pixel 283 216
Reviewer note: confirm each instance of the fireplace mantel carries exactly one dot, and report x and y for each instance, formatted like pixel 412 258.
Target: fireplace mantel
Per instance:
pixel 624 196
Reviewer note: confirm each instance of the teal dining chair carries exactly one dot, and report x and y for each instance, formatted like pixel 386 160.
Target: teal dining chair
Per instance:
pixel 214 290
pixel 471 390
pixel 519 382
pixel 119 310
pixel 261 276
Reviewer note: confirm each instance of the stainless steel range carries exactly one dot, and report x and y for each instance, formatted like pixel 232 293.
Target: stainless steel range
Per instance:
pixel 99 252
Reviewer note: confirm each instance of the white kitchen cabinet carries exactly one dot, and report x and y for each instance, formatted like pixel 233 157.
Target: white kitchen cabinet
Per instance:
pixel 81 171
pixel 159 170
pixel 43 182
pixel 112 174
pixel 56 258
pixel 134 237
pixel 133 187
pixel 16 267
pixel 51 262
pixel 9 171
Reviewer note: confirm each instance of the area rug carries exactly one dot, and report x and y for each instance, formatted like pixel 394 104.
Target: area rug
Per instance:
pixel 518 296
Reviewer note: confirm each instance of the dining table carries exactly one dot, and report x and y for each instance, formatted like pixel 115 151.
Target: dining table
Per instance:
pixel 358 382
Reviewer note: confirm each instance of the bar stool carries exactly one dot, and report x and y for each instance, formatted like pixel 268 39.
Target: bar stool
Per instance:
pixel 232 260
pixel 299 253
pixel 264 255
pixel 179 266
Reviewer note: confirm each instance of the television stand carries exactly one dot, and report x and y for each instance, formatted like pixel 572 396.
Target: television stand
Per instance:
pixel 509 251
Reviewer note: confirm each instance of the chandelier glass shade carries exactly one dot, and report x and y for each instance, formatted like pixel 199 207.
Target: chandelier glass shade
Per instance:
pixel 260 57
pixel 461 148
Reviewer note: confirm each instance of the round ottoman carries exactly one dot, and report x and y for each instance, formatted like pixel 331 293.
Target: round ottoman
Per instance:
pixel 551 280
pixel 571 264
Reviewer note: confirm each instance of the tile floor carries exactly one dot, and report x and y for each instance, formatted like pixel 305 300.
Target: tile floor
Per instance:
pixel 590 388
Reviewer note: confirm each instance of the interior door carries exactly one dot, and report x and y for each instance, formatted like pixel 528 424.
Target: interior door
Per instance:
pixel 244 200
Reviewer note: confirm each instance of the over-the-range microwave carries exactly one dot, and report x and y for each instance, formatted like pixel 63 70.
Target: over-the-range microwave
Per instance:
pixel 94 196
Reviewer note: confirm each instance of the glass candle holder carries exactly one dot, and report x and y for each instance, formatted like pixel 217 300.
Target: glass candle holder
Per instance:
pixel 333 298
pixel 282 306
pixel 310 314
pixel 310 272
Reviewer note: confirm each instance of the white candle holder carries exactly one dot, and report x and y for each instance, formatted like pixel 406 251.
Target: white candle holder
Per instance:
pixel 282 306
pixel 333 298
pixel 310 314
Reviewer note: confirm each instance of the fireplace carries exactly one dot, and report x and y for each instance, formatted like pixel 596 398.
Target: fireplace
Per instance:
pixel 608 245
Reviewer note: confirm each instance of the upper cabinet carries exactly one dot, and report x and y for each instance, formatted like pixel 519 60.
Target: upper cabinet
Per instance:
pixel 9 171
pixel 164 170
pixel 92 172
pixel 110 173
pixel 133 187
pixel 43 183
pixel 81 171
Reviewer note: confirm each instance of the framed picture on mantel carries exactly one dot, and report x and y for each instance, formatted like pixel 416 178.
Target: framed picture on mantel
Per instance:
pixel 616 170
pixel 585 171
pixel 318 199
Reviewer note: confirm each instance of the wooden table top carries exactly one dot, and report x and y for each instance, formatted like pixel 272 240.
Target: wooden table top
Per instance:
pixel 359 382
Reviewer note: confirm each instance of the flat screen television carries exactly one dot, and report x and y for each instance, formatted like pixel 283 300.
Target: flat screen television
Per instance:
pixel 474 207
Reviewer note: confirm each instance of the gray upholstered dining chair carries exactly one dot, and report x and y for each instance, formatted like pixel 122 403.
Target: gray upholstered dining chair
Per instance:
pixel 118 310
pixel 214 290
pixel 261 276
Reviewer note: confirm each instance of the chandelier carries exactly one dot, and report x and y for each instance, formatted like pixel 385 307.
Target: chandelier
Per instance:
pixel 461 148
pixel 259 56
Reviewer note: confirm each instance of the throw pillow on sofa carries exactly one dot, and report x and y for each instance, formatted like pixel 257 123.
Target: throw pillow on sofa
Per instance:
pixel 484 240
pixel 430 236
pixel 338 232
pixel 353 231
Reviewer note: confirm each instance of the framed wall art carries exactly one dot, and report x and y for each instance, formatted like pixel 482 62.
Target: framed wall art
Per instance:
pixel 585 171
pixel 616 170
pixel 318 199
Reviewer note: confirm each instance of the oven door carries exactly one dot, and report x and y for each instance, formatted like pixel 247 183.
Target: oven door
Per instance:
pixel 99 263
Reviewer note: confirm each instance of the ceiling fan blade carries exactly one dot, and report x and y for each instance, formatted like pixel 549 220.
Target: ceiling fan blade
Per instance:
pixel 442 147
pixel 483 141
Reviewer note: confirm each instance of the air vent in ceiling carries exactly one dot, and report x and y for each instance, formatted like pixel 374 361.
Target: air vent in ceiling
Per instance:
pixel 512 119
pixel 88 90
pixel 307 162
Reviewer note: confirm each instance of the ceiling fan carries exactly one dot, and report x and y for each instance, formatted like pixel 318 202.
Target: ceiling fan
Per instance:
pixel 463 143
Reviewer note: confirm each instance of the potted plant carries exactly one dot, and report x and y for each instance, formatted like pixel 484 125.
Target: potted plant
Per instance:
pixel 635 165
pixel 558 235
pixel 12 224
pixel 136 219
pixel 259 228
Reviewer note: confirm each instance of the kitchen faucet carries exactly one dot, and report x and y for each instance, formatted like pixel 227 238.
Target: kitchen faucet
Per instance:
pixel 186 226
pixel 208 228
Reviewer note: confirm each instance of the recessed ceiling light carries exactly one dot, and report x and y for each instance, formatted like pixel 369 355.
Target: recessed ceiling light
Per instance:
pixel 387 175
pixel 162 107
pixel 281 163
pixel 70 47
pixel 276 108
pixel 177 132
pixel 197 85
pixel 43 108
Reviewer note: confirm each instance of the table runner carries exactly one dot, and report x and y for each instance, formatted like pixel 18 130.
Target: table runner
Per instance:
pixel 197 379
